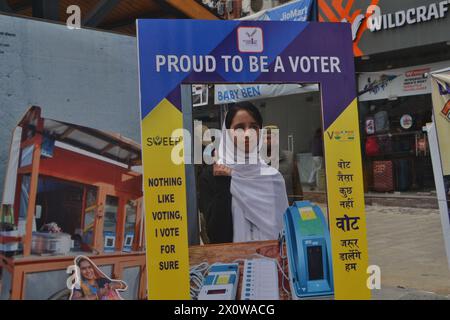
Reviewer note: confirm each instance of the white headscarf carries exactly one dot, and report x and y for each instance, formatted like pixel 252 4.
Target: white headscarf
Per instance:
pixel 258 191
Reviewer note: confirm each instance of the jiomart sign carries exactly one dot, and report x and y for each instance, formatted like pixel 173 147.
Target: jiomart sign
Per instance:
pixel 388 18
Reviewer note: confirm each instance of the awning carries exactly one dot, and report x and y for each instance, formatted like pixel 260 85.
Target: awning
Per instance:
pixel 106 144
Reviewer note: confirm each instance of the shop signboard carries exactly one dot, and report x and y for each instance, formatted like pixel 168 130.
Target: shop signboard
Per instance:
pixel 386 25
pixel 299 10
pixel 395 83
pixel 166 61
pixel 294 11
pixel 234 92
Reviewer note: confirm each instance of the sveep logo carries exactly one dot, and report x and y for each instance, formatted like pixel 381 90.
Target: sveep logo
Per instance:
pixel 250 39
pixel 163 141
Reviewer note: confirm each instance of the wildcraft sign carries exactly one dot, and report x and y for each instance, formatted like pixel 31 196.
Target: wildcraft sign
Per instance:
pixel 386 25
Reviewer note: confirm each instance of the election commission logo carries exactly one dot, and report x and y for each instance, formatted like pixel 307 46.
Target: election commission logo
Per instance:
pixel 250 40
pixel 342 135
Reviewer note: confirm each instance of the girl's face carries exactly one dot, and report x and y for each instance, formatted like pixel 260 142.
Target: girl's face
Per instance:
pixel 86 270
pixel 245 131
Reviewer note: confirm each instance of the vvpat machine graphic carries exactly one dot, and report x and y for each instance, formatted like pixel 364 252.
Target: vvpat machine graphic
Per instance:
pixel 308 247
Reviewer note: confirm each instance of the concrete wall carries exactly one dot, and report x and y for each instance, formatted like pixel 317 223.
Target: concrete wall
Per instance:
pixel 81 76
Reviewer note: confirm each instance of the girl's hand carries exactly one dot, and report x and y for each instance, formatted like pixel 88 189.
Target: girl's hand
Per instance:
pixel 221 170
pixel 117 285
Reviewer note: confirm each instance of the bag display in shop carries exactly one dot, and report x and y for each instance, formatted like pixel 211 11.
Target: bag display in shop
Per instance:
pixel 383 176
pixel 372 147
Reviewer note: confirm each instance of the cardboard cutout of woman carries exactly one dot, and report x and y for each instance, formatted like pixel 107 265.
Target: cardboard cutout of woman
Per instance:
pixel 93 284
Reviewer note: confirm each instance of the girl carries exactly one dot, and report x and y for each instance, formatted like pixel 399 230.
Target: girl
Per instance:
pixel 94 284
pixel 242 198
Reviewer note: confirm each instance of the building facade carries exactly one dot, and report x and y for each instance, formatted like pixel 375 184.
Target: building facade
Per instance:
pixel 396 45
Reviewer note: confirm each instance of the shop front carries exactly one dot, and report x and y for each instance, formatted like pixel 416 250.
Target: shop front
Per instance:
pixel 396 45
pixel 395 105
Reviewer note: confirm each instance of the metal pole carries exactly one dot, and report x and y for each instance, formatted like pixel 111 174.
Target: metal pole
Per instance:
pixel 191 189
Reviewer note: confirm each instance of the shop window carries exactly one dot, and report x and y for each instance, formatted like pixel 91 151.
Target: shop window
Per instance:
pixel 130 224
pixel 110 223
pixel 26 157
pixel 23 206
pixel 111 209
pixel 89 214
pixel 130 220
pixel 24 196
pixel 395 148
pixel 59 202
